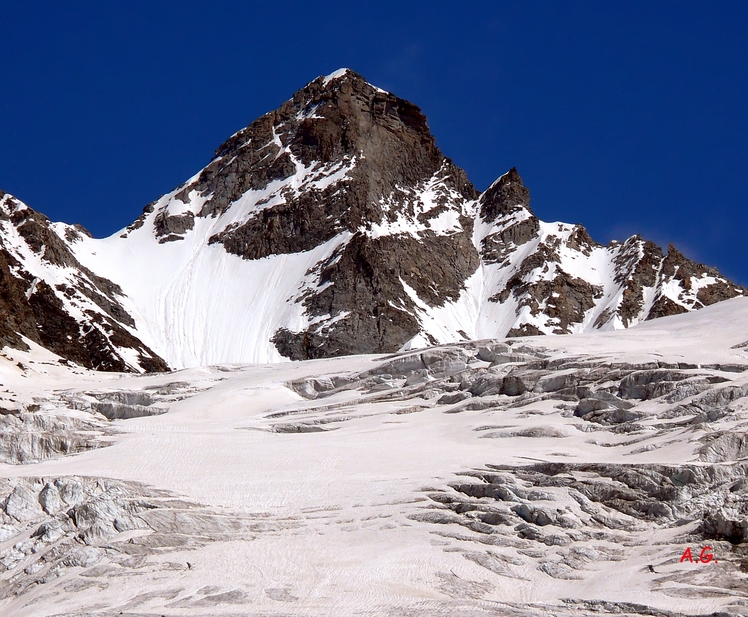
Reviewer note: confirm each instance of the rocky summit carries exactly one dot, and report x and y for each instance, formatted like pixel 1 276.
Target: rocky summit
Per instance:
pixel 333 225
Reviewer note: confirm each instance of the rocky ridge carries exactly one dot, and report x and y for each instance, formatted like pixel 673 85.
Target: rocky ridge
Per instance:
pixel 48 297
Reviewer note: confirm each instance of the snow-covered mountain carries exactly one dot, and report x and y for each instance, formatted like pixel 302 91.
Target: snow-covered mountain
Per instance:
pixel 599 473
pixel 334 225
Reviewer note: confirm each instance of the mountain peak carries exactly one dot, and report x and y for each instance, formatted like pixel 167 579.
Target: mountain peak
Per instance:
pixel 342 75
pixel 339 74
pixel 332 225
pixel 338 121
pixel 505 195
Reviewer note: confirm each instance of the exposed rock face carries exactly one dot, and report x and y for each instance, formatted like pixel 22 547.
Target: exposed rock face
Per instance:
pixel 380 242
pixel 391 158
pixel 47 296
pixel 170 228
pixel 368 272
pixel 504 197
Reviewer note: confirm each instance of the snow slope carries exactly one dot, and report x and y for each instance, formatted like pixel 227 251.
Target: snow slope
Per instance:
pixel 201 305
pixel 357 485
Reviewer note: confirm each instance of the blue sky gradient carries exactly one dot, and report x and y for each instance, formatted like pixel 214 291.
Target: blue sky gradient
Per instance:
pixel 625 117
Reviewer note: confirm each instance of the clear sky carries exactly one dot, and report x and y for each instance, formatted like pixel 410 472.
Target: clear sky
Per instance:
pixel 627 117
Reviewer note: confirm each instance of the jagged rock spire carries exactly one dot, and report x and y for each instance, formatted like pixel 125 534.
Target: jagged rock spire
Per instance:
pixel 504 196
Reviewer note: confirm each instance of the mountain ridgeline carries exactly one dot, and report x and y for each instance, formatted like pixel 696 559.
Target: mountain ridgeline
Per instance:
pixel 333 225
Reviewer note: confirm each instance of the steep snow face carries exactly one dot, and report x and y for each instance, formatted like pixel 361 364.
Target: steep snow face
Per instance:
pixel 201 305
pixel 334 225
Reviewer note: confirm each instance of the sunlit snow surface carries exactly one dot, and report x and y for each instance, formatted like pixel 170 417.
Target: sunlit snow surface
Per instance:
pixel 323 488
pixel 198 304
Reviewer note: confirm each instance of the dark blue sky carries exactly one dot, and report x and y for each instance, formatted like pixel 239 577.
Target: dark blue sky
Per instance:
pixel 627 117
